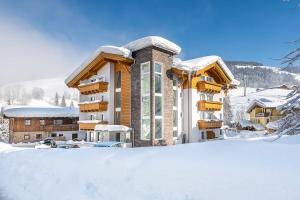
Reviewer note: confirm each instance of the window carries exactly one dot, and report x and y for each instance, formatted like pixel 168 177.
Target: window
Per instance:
pixel 158 100
pixel 58 122
pixel 202 115
pixel 93 98
pixel 210 97
pixel 26 137
pixel 175 108
pixel 38 136
pixel 202 78
pixel 27 122
pixel 92 117
pixel 101 117
pixel 118 97
pixel 145 100
pixel 53 134
pixel 42 122
pixel 60 135
pixel 118 117
pixel 221 116
pixel 202 97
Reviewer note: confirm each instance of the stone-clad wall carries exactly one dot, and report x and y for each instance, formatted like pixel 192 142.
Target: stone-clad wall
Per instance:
pixel 152 54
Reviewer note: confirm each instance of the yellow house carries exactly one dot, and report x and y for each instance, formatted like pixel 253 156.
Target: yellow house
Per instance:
pixel 262 111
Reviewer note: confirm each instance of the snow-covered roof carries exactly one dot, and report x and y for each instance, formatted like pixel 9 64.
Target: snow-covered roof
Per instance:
pixel 28 111
pixel 264 103
pixel 202 62
pixel 105 49
pixel 153 41
pixel 112 128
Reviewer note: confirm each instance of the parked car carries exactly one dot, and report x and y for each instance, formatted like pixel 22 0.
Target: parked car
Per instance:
pixel 47 143
pixel 68 146
pixel 108 144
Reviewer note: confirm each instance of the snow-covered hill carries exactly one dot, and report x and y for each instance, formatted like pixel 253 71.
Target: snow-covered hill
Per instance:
pixel 263 76
pixel 37 92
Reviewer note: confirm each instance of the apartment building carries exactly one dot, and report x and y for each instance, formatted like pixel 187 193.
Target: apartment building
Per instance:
pixel 160 99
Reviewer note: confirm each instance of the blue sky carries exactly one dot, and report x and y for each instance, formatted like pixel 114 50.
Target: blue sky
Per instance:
pixel 253 30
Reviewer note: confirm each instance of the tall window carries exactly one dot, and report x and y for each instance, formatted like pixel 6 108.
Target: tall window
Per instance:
pixel 145 101
pixel 158 100
pixel 118 97
pixel 175 109
pixel 27 122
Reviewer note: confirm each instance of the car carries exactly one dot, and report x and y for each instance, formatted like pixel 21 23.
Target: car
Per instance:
pixel 109 144
pixel 46 143
pixel 68 146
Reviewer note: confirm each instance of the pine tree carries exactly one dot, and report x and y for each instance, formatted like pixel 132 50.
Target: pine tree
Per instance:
pixel 63 102
pixel 228 116
pixel 72 104
pixel 56 101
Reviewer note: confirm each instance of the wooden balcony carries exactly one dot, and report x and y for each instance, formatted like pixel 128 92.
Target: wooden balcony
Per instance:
pixel 94 107
pixel 209 87
pixel 202 124
pixel 90 126
pixel 63 127
pixel 209 105
pixel 93 88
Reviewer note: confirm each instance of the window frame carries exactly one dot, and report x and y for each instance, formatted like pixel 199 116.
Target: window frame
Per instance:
pixel 27 120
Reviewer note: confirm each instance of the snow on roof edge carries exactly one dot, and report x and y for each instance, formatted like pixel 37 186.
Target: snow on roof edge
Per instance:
pixel 29 111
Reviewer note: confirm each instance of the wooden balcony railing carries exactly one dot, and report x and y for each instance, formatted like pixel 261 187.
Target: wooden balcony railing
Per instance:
pixel 93 88
pixel 90 126
pixel 209 105
pixel 94 107
pixel 63 127
pixel 202 124
pixel 209 87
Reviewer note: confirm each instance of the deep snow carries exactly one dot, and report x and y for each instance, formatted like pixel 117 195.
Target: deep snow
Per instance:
pixel 227 169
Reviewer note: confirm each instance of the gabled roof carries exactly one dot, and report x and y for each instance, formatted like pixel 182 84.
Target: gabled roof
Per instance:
pixel 120 51
pixel 201 63
pixel 264 103
pixel 153 41
pixel 43 112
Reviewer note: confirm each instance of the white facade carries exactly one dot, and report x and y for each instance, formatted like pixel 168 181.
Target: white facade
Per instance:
pixel 106 73
pixel 191 115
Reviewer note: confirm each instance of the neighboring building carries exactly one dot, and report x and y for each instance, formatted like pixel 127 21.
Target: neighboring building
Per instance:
pixel 32 124
pixel 262 111
pixel 161 100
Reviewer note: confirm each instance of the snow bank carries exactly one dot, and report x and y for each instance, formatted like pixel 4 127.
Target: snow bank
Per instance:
pixel 4 147
pixel 153 41
pixel 28 111
pixel 227 170
pixel 294 139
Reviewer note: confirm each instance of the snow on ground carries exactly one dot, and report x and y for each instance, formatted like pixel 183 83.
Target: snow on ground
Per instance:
pixel 225 169
pixel 240 102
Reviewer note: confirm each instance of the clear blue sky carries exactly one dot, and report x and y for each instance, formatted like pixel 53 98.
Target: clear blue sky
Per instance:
pixel 250 30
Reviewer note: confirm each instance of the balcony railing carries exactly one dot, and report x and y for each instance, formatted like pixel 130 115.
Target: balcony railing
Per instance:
pixel 90 125
pixel 209 87
pixel 94 106
pixel 92 88
pixel 262 114
pixel 63 127
pixel 209 105
pixel 202 124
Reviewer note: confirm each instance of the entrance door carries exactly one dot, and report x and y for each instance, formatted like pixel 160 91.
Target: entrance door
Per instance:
pixel 118 137
pixel 210 135
pixel 74 136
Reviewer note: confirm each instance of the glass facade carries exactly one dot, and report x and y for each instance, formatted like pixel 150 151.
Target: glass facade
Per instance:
pixel 158 100
pixel 118 97
pixel 145 101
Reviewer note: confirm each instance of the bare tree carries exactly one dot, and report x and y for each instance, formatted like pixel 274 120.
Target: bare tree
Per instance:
pixel 38 93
